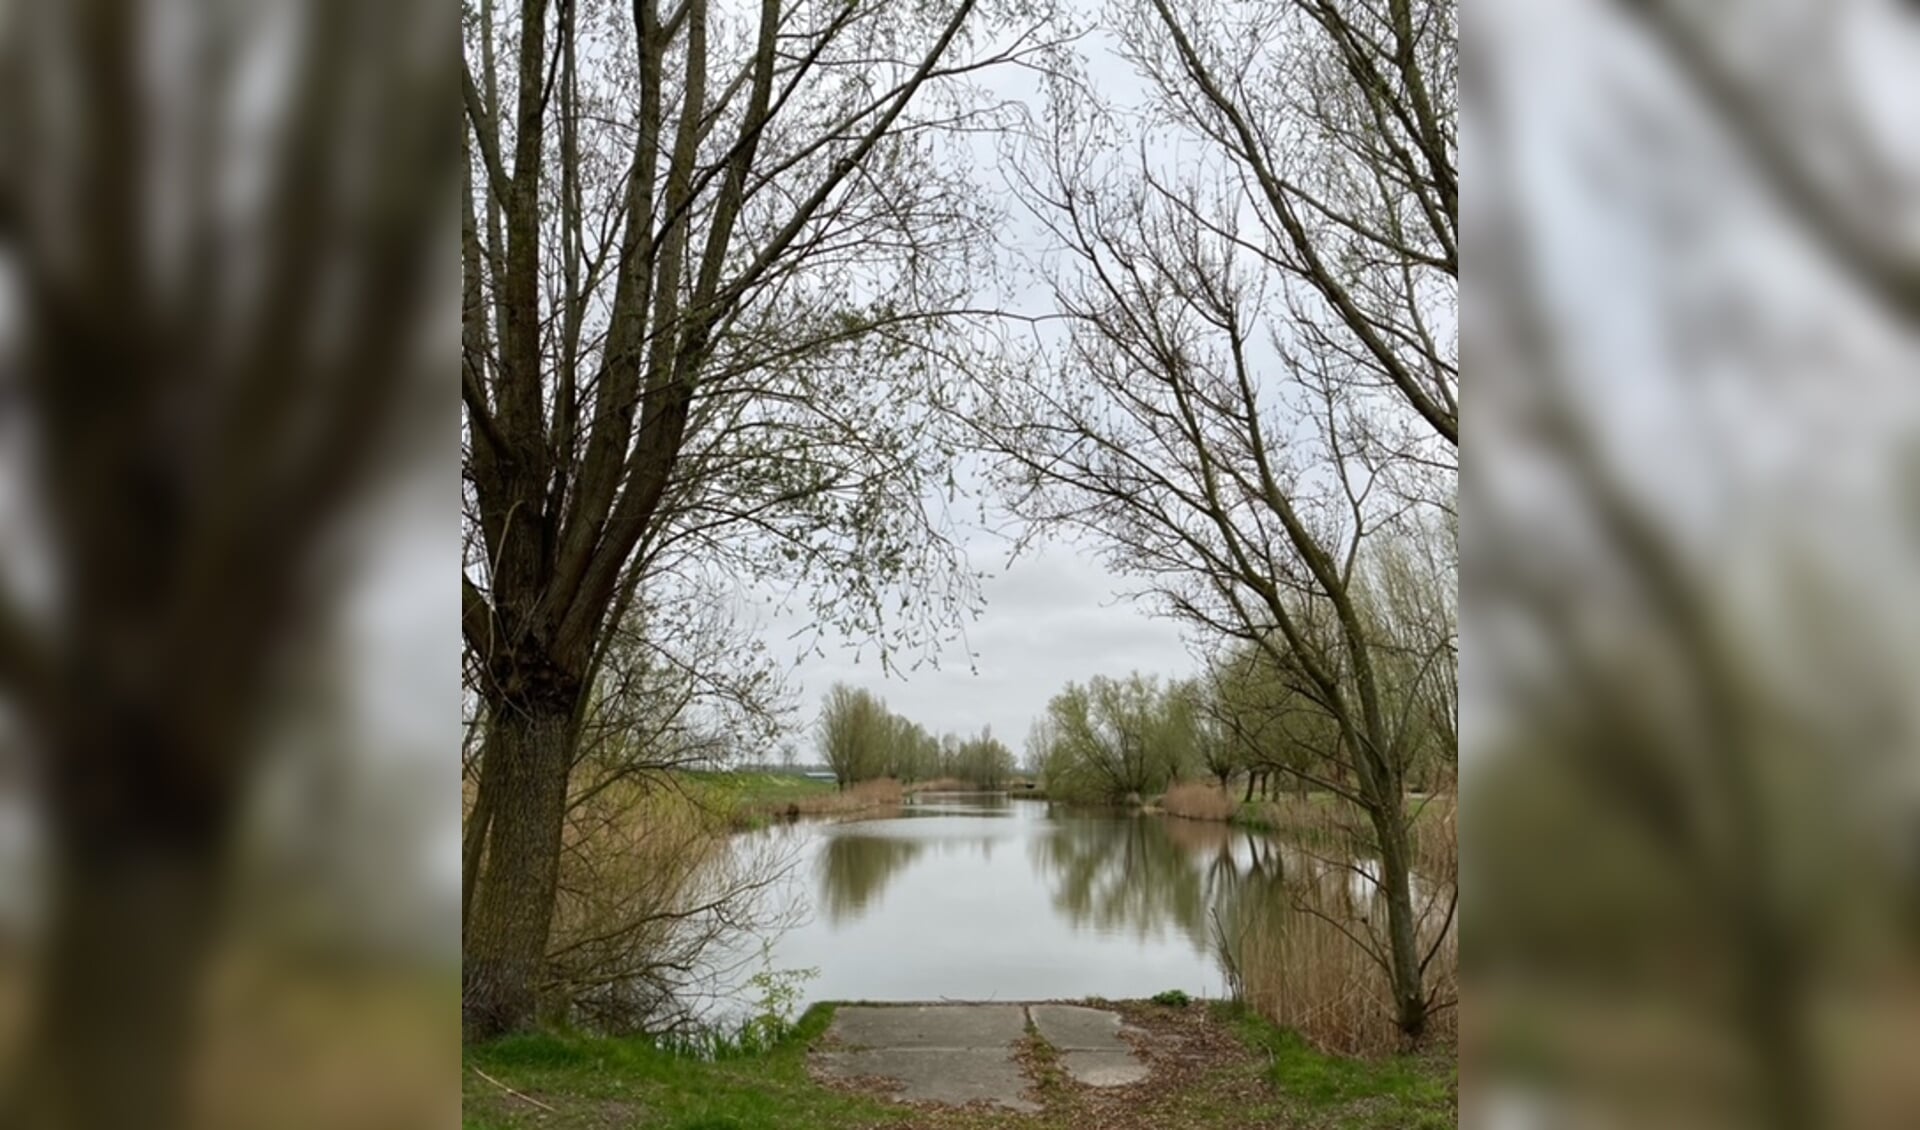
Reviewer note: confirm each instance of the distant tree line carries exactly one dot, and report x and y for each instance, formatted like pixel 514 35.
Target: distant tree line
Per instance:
pixel 861 740
pixel 1249 715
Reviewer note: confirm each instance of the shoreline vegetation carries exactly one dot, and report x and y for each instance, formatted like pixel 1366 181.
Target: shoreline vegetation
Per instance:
pixel 1289 954
pixel 1289 811
pixel 1214 1065
pixel 752 800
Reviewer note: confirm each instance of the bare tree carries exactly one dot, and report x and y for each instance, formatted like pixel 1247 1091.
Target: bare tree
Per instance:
pixel 709 256
pixel 1260 380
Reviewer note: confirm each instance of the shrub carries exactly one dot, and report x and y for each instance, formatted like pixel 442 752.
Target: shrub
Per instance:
pixel 1172 998
pixel 648 883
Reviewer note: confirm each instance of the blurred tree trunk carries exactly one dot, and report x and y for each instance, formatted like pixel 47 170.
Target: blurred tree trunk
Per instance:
pixel 197 437
pixel 117 1040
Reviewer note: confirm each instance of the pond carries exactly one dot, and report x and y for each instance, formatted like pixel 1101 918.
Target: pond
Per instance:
pixel 982 897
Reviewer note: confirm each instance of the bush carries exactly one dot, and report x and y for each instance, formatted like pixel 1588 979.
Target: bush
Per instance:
pixel 648 883
pixel 1172 998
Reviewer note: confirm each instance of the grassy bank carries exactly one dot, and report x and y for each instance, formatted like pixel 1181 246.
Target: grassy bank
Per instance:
pixel 753 800
pixel 1016 787
pixel 1212 1066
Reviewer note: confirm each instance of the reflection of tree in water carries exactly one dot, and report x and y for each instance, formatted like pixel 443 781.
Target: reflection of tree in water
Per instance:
pixel 1259 867
pixel 1285 879
pixel 854 869
pixel 1123 875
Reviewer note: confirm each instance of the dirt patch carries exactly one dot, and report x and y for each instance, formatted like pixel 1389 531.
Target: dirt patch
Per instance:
pixel 1186 1050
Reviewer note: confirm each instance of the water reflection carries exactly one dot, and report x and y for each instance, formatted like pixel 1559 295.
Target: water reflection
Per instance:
pixel 980 897
pixel 854 869
pixel 1122 875
pixel 958 804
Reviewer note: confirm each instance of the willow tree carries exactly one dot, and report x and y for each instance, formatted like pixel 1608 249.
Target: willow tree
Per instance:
pixel 855 733
pixel 1112 739
pixel 708 252
pixel 1259 378
pixel 1260 724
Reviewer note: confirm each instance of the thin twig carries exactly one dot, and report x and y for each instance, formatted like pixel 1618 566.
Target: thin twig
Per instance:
pixel 514 1093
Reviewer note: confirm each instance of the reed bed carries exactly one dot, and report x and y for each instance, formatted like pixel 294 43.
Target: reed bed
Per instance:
pixel 1199 800
pixel 882 793
pixel 945 785
pixel 754 805
pixel 1295 938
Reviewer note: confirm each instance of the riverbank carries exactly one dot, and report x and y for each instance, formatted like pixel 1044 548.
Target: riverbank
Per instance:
pixel 1210 1065
pixel 754 800
pixel 1291 812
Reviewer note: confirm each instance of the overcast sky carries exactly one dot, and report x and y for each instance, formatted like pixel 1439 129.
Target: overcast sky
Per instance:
pixel 1055 615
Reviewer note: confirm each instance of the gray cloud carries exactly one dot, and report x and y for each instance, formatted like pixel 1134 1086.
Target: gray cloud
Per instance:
pixel 1055 615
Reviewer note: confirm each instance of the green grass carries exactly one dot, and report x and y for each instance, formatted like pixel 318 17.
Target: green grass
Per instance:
pixel 750 800
pixel 593 1082
pixel 757 788
pixel 1406 1091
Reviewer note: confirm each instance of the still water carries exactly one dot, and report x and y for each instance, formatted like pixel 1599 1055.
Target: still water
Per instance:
pixel 985 897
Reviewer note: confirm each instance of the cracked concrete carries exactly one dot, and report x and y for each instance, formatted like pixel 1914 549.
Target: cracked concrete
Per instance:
pixel 954 1054
pixel 1089 1043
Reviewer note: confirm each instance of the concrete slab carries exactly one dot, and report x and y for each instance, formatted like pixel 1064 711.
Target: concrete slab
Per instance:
pixel 953 1076
pixel 1103 1069
pixel 962 1053
pixel 929 1026
pixel 944 1053
pixel 1071 1027
pixel 1089 1043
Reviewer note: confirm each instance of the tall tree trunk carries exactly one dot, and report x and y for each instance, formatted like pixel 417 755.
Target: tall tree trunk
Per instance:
pixel 524 789
pixel 1396 886
pixel 1773 1006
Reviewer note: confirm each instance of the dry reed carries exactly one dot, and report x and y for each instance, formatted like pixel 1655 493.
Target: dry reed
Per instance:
pixel 1199 800
pixel 944 785
pixel 648 889
pixel 858 797
pixel 1297 943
